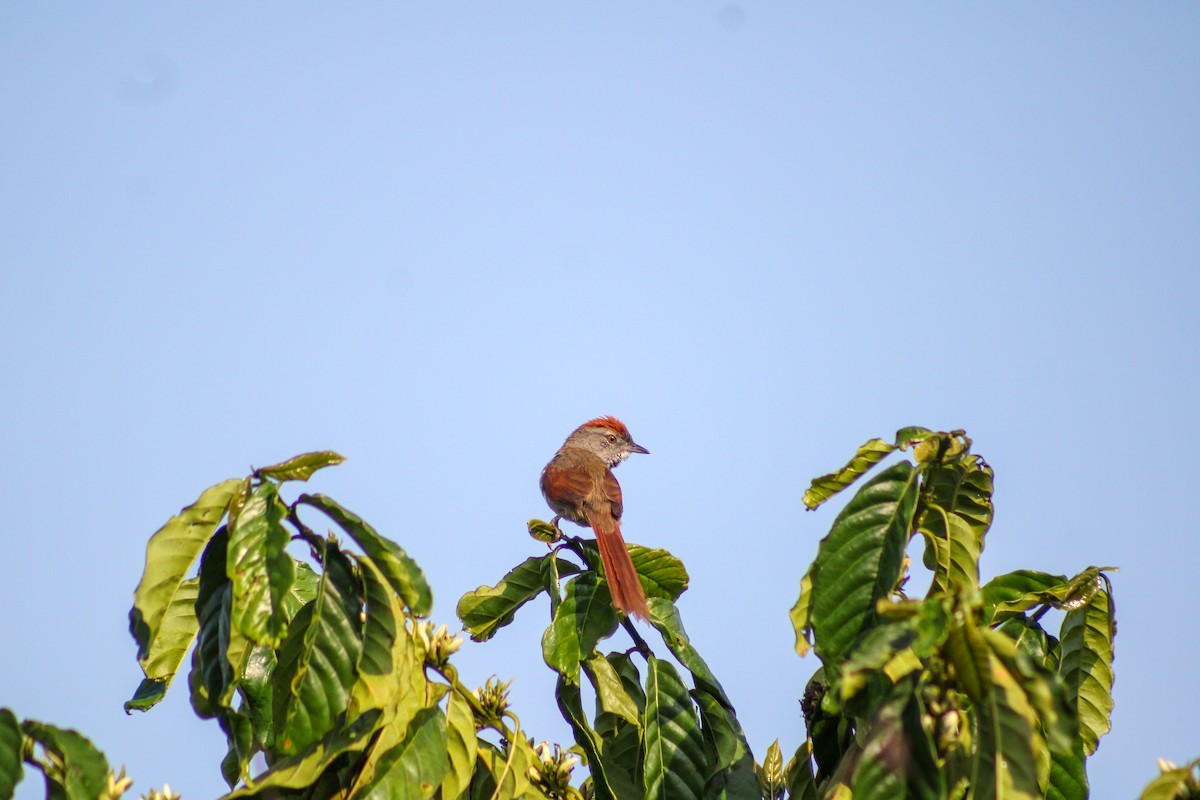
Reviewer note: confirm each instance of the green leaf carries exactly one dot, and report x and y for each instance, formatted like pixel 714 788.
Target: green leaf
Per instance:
pixel 674 764
pixel 859 562
pixel 12 749
pixel 912 435
pixel 895 650
pixel 147 695
pixel 730 765
pixel 74 768
pixel 412 768
pixel 317 661
pixel 771 776
pixel 611 782
pixel 301 467
pixel 826 486
pixel 157 619
pixel 303 770
pixel 898 759
pixel 801 614
pixel 621 738
pixel 956 548
pixel 489 608
pixel 1068 777
pixel 801 782
pixel 402 572
pixel 612 696
pixel 543 531
pixel 1012 593
pixel 261 571
pixel 661 574
pixel 1086 667
pixel 462 746
pixel 1008 740
pixel 213 606
pixel 391 673
pixel 584 617
pixel 509 771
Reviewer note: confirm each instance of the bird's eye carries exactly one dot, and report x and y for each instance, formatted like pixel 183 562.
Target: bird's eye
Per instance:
pixel 612 437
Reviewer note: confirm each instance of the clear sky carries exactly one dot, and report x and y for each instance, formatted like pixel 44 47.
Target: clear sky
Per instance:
pixel 437 237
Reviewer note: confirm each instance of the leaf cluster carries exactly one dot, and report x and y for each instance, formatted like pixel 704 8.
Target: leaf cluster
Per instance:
pixel 962 692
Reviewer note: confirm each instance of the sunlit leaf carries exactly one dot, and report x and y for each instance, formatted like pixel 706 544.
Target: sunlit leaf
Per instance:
pixel 303 769
pixel 489 608
pixel 612 696
pixel 415 766
pixel 461 747
pixel 390 673
pixel 770 775
pixel 661 573
pixel 621 738
pixel 317 661
pixel 826 486
pixel 301 467
pixel 674 762
pixel 161 601
pixel 261 571
pixel 584 617
pixel 401 571
pixel 1087 665
pixel 801 615
pixel 859 562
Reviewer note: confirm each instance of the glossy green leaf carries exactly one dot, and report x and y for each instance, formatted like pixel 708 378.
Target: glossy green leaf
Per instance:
pixel 401 571
pixel 414 767
pixel 912 435
pixel 894 651
pixel 74 768
pixel 801 782
pixel 826 486
pixel 390 673
pixel 674 764
pixel 303 769
pixel 11 753
pixel 1015 592
pixel 489 608
pixel 318 660
pixel 612 695
pixel 509 771
pixel 584 617
pixel 956 547
pixel 770 775
pixel 1086 667
pixel 213 606
pixel 661 574
pixel 160 602
pixel 462 747
pixel 859 562
pixel 301 467
pixel 620 737
pixel 260 569
pixel 730 770
pixel 898 759
pixel 609 781
pixel 801 615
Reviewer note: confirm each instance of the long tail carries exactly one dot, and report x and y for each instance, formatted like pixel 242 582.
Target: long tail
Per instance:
pixel 627 592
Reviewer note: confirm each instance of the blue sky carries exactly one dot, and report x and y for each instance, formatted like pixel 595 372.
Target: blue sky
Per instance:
pixel 438 237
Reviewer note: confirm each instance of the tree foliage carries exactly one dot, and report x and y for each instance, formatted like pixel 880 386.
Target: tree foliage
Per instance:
pixel 314 657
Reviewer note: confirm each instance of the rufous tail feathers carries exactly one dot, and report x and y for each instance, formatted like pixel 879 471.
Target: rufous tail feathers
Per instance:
pixel 626 589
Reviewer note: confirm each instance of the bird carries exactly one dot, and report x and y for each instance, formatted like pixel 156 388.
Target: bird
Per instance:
pixel 579 485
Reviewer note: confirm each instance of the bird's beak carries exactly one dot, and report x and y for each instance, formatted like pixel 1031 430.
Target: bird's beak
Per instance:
pixel 637 448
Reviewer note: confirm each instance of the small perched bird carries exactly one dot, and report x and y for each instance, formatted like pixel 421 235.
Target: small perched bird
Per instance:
pixel 579 485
